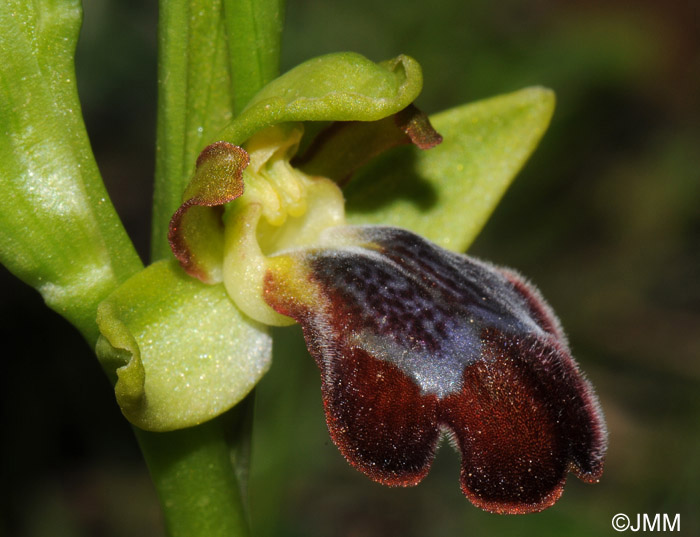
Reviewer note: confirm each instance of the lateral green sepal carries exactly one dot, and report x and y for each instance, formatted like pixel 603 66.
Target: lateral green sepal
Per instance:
pixel 179 352
pixel 447 194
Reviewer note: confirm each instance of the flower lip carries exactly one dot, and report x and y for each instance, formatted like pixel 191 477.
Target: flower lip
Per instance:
pixel 413 341
pixel 424 341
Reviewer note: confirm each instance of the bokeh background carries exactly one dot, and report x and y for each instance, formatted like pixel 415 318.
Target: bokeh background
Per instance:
pixel 604 219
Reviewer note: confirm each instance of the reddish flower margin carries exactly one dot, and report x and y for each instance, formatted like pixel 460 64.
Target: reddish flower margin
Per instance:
pixel 415 343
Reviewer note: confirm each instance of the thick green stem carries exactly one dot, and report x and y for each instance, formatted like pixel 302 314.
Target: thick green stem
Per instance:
pixel 213 56
pixel 254 28
pixel 194 100
pixel 172 115
pixel 196 476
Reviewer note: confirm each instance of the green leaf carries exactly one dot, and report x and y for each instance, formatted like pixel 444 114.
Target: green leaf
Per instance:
pixel 179 351
pixel 336 87
pixel 58 230
pixel 447 193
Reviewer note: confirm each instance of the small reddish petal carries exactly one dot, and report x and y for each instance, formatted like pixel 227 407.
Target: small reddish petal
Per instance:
pixel 344 147
pixel 195 233
pixel 416 125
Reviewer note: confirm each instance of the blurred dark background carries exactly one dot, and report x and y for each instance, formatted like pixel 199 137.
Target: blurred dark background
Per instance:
pixel 604 219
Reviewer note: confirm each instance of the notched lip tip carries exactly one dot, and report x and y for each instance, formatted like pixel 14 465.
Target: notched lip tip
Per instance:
pixel 390 480
pixel 592 477
pixel 516 508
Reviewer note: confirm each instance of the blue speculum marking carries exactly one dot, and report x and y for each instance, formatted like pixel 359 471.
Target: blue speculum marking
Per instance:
pixel 413 340
pixel 436 374
pixel 420 307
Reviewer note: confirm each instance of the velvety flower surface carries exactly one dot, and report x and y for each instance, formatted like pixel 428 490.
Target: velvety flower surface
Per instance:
pixel 415 342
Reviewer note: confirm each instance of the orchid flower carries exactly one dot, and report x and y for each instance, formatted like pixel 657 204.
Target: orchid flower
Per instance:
pixel 298 213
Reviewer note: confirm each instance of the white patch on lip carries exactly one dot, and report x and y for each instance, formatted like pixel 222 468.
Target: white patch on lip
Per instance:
pixel 438 372
pixel 422 308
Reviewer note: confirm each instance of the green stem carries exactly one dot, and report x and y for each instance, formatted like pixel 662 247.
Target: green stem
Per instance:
pixel 200 473
pixel 194 100
pixel 254 28
pixel 196 478
pixel 172 115
pixel 204 76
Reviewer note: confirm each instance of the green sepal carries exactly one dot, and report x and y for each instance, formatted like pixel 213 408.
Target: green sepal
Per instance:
pixel 447 193
pixel 58 230
pixel 336 87
pixel 179 351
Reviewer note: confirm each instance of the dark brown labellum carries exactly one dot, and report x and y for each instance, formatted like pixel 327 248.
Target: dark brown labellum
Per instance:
pixel 414 342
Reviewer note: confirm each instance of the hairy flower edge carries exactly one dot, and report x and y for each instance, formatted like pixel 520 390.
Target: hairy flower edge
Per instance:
pixel 415 343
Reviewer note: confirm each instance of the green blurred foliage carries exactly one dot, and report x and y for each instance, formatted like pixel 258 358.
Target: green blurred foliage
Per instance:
pixel 603 219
